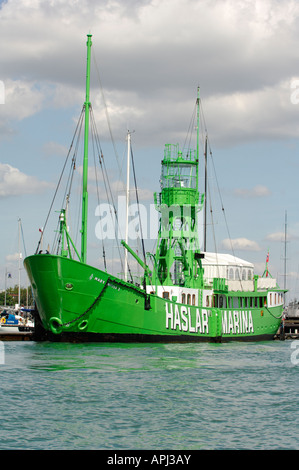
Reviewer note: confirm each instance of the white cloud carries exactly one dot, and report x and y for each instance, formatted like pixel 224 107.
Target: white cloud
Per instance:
pixel 257 191
pixel 21 99
pixel 152 54
pixel 53 148
pixel 240 244
pixel 15 183
pixel 260 113
pixel 275 237
pixel 280 236
pixel 12 257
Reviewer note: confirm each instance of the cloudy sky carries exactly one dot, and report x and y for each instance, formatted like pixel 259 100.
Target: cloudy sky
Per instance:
pixel 149 57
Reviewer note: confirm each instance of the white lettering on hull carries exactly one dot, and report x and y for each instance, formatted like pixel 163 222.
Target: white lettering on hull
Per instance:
pixel 179 318
pixel 237 322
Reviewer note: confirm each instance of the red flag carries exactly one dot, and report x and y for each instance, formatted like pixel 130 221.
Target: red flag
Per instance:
pixel 267 261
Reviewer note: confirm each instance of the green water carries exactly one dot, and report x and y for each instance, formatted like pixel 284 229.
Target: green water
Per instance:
pixel 114 396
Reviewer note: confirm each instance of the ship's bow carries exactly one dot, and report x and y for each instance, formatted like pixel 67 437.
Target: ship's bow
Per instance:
pixel 63 290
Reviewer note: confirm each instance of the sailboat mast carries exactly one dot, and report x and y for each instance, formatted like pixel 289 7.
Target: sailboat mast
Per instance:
pixel 87 105
pixel 205 202
pixel 127 203
pixel 285 252
pixel 19 287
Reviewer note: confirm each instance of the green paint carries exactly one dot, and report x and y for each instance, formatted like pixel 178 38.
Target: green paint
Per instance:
pixel 177 303
pixel 85 159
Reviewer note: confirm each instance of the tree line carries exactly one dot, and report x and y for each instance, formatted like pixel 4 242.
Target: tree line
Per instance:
pixel 12 296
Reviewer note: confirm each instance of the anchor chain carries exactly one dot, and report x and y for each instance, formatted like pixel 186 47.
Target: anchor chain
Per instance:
pixel 89 308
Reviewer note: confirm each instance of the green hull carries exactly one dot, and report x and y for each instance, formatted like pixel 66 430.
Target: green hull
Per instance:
pixel 77 301
pixel 187 297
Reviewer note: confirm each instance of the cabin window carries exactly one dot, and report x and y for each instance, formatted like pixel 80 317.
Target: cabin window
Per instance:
pixel 183 298
pixel 222 301
pixel 243 274
pixel 165 295
pixel 207 301
pixel 231 274
pixel 189 299
pixel 193 299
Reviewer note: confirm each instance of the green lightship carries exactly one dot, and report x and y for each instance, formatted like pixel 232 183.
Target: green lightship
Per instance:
pixel 187 295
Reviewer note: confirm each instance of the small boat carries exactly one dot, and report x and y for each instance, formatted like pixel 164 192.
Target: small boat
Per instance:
pixel 9 322
pixel 26 322
pixel 184 294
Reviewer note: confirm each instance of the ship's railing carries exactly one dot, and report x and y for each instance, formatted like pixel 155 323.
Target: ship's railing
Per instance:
pixel 135 279
pixel 242 285
pixel 266 283
pixel 234 286
pixel 172 152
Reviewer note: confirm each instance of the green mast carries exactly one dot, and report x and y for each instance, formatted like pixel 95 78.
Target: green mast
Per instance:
pixel 87 105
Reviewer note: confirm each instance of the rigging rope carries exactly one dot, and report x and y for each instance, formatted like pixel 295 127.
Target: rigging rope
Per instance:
pixel 97 188
pixel 190 129
pixel 221 201
pixel 106 110
pixel 115 152
pixel 137 200
pixel 107 185
pixel 59 181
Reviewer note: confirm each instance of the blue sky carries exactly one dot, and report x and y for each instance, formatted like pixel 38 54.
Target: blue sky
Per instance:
pixel 152 55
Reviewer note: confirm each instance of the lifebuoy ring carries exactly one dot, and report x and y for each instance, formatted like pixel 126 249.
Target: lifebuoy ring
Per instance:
pixel 3 320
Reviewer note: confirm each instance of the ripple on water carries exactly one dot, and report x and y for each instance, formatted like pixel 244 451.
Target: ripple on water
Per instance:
pixel 175 396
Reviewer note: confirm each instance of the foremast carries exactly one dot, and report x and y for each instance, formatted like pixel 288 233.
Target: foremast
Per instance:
pixel 67 245
pixel 178 258
pixel 87 105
